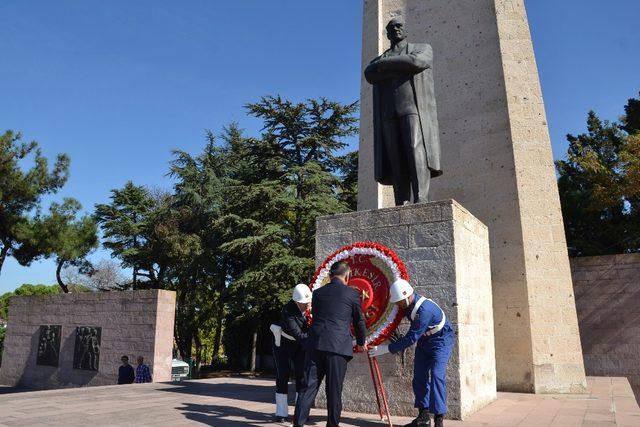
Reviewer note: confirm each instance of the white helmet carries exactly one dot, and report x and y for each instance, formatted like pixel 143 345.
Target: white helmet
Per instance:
pixel 401 289
pixel 302 294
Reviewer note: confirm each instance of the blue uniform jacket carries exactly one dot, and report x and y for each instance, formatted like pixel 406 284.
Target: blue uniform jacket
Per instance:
pixel 427 316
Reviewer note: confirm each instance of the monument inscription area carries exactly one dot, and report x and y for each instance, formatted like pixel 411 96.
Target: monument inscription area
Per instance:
pixel 49 345
pixel 86 353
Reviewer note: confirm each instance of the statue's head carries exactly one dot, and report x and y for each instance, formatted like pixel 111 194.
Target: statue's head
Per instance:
pixel 395 30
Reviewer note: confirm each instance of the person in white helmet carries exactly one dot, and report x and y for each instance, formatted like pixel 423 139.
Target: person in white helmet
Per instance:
pixel 435 337
pixel 290 335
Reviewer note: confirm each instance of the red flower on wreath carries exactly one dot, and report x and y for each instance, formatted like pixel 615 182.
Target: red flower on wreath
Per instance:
pixel 374 268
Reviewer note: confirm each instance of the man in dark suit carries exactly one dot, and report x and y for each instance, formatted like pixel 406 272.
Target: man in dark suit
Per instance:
pixel 335 307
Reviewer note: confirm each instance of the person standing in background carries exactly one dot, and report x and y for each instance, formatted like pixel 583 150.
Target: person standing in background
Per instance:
pixel 143 374
pixel 126 375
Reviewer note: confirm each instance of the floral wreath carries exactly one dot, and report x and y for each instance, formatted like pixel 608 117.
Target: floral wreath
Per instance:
pixel 389 264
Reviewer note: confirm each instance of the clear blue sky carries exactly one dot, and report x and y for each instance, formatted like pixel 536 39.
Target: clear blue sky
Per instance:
pixel 117 85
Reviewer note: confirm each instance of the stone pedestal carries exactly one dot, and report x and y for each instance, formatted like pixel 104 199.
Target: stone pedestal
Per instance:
pixel 446 250
pixel 497 162
pixel 132 323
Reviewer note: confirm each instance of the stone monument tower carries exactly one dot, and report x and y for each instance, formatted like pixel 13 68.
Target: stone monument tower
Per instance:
pixel 496 154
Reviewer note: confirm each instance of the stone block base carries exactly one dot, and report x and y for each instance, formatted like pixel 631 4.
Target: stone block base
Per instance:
pixel 446 250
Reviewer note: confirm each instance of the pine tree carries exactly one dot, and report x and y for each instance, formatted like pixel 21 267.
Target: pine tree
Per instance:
pixel 348 189
pixel 21 193
pixel 62 235
pixel 123 224
pixel 309 136
pixel 237 232
pixel 599 185
pixel 198 269
pixel 280 183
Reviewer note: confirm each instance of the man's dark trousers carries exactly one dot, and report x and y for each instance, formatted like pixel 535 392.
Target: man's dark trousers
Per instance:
pixel 332 368
pixel 282 356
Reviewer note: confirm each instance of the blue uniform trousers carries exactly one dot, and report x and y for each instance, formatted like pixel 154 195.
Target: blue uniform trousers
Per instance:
pixel 430 373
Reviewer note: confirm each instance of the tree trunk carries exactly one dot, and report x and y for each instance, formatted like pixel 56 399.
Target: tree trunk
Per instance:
pixel 183 341
pixel 185 344
pixel 253 351
pixel 219 318
pixel 198 344
pixel 64 287
pixel 161 273
pixel 220 311
pixel 3 254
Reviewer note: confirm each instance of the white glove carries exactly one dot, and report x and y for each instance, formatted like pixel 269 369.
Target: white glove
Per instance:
pixel 378 350
pixel 277 334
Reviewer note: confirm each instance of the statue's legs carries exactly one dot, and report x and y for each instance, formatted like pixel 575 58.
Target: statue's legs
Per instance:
pixel 416 156
pixel 397 158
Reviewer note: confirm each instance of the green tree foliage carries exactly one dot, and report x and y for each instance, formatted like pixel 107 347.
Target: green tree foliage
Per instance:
pixel 21 192
pixel 125 228
pixel 281 183
pixel 170 242
pixel 308 136
pixel 237 232
pixel 62 235
pixel 349 186
pixel 198 268
pixel 599 185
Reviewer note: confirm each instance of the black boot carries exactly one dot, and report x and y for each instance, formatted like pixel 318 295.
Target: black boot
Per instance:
pixel 438 420
pixel 422 420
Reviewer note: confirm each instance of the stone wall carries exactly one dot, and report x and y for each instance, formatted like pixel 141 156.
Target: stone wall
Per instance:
pixel 497 162
pixel 608 301
pixel 133 323
pixel 446 251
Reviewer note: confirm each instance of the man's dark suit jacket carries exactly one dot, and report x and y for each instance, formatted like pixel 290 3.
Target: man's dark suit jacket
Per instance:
pixel 293 323
pixel 335 307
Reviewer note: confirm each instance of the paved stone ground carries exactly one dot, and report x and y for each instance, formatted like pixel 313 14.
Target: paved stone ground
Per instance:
pixel 249 402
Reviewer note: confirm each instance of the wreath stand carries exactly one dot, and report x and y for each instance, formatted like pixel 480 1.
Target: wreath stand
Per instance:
pixel 381 395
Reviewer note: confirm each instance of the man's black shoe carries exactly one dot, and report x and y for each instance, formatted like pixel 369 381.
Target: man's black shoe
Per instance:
pixel 438 421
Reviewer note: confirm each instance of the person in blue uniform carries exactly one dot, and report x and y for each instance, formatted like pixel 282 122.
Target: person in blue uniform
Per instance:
pixel 290 335
pixel 435 337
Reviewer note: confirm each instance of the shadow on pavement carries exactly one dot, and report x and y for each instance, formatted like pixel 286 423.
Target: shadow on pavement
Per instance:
pixel 216 415
pixel 9 390
pixel 253 392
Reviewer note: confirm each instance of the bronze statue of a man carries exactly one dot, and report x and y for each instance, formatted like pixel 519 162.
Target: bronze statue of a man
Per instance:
pixel 406 137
